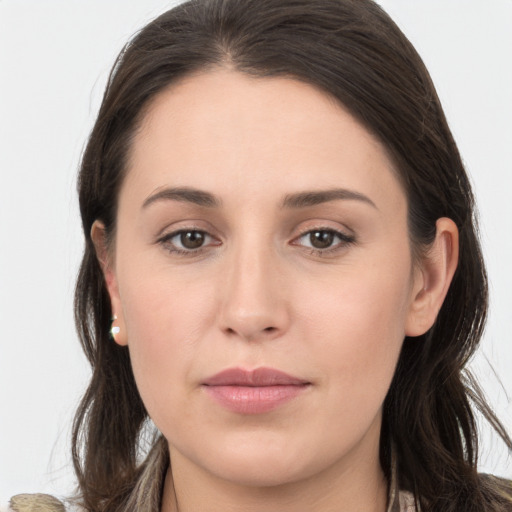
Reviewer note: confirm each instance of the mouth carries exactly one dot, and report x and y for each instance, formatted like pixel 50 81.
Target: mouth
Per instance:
pixel 253 391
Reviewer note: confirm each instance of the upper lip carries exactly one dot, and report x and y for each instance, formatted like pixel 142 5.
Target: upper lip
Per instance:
pixel 258 377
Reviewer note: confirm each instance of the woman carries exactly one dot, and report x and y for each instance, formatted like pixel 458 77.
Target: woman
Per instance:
pixel 279 223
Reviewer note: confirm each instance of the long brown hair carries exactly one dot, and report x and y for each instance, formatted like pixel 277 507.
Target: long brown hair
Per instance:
pixel 354 52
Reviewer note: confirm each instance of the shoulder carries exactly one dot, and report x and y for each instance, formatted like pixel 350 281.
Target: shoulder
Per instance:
pixel 33 503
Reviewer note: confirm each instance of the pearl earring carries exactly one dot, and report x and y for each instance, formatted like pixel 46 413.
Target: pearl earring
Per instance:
pixel 114 329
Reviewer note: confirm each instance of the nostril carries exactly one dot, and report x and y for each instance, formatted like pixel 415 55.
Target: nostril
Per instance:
pixel 253 334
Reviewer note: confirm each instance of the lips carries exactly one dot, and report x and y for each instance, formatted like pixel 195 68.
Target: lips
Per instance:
pixel 253 391
pixel 255 378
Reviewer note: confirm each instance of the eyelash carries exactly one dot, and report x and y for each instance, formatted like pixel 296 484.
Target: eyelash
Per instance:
pixel 172 248
pixel 344 241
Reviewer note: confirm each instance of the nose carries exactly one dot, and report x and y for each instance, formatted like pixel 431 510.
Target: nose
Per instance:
pixel 253 296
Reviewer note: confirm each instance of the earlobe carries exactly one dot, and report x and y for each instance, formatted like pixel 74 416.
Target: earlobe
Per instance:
pixel 105 259
pixel 433 278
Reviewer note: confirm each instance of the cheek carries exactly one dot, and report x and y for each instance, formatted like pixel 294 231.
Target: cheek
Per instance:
pixel 357 324
pixel 166 321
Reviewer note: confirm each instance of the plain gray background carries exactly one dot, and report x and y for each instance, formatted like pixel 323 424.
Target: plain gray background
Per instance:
pixel 54 59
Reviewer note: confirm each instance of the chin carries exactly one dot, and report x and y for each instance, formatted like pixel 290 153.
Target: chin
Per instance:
pixel 256 474
pixel 263 465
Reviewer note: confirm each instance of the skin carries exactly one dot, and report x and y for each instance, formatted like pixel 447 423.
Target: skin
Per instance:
pixel 258 293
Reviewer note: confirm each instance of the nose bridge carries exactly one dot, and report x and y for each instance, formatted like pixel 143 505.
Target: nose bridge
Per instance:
pixel 253 305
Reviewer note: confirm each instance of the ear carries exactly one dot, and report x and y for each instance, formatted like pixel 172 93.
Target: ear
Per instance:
pixel 432 278
pixel 106 261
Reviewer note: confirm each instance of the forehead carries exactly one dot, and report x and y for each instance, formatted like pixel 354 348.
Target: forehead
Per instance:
pixel 226 132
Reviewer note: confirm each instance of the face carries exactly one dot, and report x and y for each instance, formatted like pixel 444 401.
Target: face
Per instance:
pixel 262 277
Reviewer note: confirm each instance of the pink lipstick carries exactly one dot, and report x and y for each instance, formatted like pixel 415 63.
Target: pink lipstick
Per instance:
pixel 253 391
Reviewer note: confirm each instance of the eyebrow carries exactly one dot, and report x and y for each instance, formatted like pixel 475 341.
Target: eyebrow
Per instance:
pixel 316 197
pixel 184 194
pixel 293 201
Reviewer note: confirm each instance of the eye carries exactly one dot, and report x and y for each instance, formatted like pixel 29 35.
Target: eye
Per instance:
pixel 186 241
pixel 324 240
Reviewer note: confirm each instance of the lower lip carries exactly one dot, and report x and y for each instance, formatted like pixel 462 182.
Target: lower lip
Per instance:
pixel 254 400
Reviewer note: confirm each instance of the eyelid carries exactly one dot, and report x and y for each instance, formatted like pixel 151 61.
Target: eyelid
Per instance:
pixel 185 224
pixel 164 239
pixel 345 240
pixel 343 231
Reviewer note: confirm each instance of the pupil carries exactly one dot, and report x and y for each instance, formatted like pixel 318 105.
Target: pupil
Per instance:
pixel 321 239
pixel 192 239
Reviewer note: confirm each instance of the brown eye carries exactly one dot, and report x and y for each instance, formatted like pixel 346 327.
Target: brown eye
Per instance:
pixel 192 239
pixel 324 240
pixel 187 241
pixel 321 239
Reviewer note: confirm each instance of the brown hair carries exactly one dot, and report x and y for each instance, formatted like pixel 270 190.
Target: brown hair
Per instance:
pixel 354 52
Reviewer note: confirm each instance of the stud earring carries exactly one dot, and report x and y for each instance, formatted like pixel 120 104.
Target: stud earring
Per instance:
pixel 114 329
